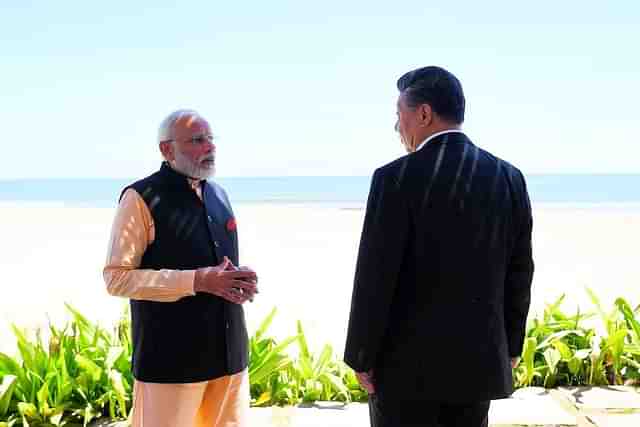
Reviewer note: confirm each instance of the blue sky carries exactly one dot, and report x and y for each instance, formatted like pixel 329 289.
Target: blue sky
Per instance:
pixel 308 88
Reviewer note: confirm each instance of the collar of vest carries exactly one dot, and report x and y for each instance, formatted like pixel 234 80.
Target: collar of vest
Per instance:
pixel 173 177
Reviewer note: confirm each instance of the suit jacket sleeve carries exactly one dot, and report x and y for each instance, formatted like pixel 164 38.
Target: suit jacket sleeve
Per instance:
pixel 519 271
pixel 382 247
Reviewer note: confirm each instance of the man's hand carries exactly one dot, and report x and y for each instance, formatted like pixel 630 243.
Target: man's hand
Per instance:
pixel 366 381
pixel 514 362
pixel 226 281
pixel 249 295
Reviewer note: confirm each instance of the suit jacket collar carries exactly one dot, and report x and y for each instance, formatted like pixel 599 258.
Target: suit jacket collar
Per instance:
pixel 445 138
pixel 438 136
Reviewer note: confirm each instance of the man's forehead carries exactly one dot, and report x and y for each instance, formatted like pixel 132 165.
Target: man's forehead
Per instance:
pixel 193 124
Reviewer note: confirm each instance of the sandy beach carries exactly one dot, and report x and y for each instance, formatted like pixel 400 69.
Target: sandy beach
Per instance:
pixel 304 255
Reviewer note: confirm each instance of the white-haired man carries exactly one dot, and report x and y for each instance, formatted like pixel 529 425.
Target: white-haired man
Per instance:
pixel 174 254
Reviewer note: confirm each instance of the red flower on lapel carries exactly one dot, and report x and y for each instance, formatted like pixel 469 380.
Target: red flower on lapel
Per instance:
pixel 231 225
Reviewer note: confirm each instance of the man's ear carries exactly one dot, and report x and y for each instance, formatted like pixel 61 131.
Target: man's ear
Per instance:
pixel 425 115
pixel 166 148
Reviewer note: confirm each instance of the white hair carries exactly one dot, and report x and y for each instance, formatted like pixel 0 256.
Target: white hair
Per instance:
pixel 165 132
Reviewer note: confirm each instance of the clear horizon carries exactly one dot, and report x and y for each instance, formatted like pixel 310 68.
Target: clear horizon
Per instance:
pixel 133 178
pixel 309 89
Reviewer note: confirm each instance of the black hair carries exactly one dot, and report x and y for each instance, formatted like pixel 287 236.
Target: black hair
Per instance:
pixel 436 87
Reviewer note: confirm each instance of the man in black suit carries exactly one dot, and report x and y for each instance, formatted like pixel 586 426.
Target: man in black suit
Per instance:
pixel 443 278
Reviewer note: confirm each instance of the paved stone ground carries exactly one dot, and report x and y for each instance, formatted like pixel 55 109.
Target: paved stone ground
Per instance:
pixel 533 407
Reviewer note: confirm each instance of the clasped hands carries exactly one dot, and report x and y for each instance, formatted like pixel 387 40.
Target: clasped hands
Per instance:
pixel 235 284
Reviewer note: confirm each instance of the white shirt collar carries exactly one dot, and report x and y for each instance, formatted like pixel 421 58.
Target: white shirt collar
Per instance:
pixel 437 134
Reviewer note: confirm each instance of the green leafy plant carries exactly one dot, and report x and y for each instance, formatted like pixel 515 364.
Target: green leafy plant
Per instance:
pixel 269 365
pixel 320 378
pixel 84 371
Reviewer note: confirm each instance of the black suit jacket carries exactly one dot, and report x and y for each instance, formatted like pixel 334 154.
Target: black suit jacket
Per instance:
pixel 443 277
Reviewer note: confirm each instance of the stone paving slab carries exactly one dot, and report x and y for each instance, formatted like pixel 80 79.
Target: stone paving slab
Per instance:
pixel 613 420
pixel 601 400
pixel 323 414
pixel 523 410
pixel 530 407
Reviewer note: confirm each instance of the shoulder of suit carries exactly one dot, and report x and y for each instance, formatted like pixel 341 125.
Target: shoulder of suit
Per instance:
pixel 514 171
pixel 503 163
pixel 392 172
pixel 395 166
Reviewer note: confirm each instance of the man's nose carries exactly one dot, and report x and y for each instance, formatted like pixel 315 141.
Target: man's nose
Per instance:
pixel 209 147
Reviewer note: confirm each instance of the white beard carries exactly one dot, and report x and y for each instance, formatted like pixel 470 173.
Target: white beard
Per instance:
pixel 192 169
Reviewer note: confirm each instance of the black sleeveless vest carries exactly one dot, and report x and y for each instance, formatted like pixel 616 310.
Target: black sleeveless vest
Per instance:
pixel 196 338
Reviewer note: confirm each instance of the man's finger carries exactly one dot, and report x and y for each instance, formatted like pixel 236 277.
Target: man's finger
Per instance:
pixel 245 286
pixel 232 296
pixel 237 274
pixel 366 381
pixel 367 386
pixel 245 298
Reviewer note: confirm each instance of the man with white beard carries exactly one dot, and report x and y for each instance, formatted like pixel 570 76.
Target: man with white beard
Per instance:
pixel 174 254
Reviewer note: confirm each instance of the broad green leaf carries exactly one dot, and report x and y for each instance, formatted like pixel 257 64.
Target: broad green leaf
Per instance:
pixel 6 393
pixel 265 324
pixel 336 384
pixel 274 364
pixel 323 360
pixel 8 365
pixel 565 352
pixel 552 357
pixel 528 353
pixel 117 384
pixel 28 410
pixel 551 308
pixel 616 342
pixel 275 352
pixel 89 366
pixel 113 355
pixel 582 354
pixel 557 336
pixel 306 368
pixel 43 397
pixel 629 317
pixel 264 398
pixel 606 319
pixel 26 349
pixel 302 342
pixel 574 365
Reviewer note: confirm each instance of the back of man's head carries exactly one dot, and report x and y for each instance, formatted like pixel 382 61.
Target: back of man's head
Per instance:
pixel 436 87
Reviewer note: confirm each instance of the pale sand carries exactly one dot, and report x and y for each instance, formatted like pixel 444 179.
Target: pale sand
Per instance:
pixel 304 256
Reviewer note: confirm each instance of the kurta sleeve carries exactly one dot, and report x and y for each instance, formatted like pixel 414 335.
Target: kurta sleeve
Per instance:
pixel 131 233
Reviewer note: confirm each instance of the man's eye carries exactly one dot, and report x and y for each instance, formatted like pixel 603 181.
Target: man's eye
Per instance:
pixel 202 139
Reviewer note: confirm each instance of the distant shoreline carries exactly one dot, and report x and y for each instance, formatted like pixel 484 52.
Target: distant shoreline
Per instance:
pixel 350 191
